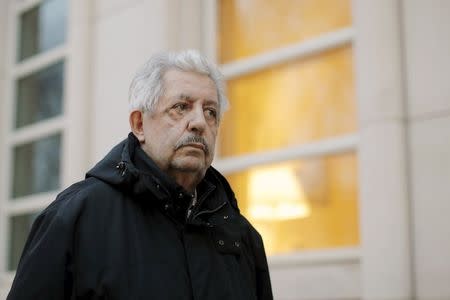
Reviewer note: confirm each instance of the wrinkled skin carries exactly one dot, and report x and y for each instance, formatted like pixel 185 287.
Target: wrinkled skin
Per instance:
pixel 180 134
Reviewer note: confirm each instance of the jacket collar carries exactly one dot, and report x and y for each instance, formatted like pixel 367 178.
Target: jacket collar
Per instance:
pixel 129 168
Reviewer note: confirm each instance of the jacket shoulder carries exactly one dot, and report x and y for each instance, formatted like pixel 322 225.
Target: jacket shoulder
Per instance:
pixel 71 201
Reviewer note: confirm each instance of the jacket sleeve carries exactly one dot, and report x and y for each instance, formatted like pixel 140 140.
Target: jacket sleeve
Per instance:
pixel 263 284
pixel 44 267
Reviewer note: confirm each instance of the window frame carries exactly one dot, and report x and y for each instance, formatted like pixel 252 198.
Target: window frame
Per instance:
pixel 319 148
pixel 73 124
pixel 12 137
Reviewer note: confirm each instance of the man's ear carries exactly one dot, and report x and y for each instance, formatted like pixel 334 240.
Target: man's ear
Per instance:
pixel 137 124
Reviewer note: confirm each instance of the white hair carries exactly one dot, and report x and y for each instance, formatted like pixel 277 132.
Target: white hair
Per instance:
pixel 147 85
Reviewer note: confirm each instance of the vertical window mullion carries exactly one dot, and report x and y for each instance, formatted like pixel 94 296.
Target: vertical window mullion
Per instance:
pixel 7 121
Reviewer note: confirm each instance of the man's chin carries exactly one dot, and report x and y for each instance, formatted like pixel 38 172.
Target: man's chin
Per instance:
pixel 189 164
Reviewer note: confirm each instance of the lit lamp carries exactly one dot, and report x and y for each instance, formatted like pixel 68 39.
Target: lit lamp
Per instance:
pixel 276 194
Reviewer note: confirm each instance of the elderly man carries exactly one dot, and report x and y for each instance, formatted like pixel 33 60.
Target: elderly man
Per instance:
pixel 153 219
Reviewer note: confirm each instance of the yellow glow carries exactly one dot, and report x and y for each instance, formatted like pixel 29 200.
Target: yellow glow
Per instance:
pixel 276 194
pixel 301 204
pixel 249 27
pixel 330 188
pixel 303 101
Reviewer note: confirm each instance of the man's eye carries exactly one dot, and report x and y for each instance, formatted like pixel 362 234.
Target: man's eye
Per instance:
pixel 211 113
pixel 180 107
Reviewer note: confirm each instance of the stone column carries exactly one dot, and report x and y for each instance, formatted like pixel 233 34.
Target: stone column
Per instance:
pixel 384 205
pixel 77 94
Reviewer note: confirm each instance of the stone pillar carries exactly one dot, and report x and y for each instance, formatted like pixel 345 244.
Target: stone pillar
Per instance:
pixel 427 28
pixel 384 205
pixel 4 19
pixel 77 91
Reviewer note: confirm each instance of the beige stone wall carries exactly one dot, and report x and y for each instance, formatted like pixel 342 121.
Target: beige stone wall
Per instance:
pixel 427 67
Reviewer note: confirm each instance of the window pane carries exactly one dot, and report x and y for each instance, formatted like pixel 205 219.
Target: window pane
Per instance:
pixel 37 166
pixel 307 204
pixel 42 28
pixel 39 95
pixel 248 27
pixel 303 101
pixel 19 229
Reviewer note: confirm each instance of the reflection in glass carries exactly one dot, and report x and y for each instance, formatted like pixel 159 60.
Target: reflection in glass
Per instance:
pixel 37 166
pixel 39 95
pixel 19 229
pixel 306 204
pixel 42 28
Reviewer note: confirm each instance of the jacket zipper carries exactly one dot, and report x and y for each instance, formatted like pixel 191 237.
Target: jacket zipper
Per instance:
pixel 209 211
pixel 192 205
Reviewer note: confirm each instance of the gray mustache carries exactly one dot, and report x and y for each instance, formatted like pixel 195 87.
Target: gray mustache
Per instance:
pixel 190 140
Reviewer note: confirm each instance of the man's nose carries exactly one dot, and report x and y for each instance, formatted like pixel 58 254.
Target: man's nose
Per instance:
pixel 197 121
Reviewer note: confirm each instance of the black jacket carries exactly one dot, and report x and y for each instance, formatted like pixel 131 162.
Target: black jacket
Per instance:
pixel 122 233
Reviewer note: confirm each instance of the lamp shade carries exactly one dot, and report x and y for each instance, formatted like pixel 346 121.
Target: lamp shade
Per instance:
pixel 275 193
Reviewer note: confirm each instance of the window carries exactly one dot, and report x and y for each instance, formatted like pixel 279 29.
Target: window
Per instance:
pixel 35 127
pixel 288 144
pixel 42 28
pixel 19 228
pixel 36 167
pixel 39 95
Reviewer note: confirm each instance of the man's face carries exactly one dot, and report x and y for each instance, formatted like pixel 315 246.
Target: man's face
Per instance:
pixel 180 134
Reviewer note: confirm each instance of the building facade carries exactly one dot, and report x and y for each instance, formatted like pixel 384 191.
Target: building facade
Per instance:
pixel 335 143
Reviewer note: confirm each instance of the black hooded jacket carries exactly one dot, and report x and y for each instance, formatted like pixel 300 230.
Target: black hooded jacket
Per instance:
pixel 123 233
